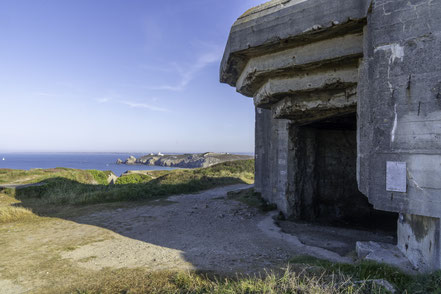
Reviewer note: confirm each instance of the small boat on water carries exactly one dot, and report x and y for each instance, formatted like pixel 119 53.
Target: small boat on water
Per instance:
pixel 3 159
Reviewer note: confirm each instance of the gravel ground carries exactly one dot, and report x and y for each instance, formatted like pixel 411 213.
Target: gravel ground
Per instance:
pixel 203 231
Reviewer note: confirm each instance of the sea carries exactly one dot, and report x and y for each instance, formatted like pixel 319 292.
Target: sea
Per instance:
pixel 98 161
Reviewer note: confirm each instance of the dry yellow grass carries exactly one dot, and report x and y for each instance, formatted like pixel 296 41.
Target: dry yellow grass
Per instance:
pixel 9 214
pixel 140 281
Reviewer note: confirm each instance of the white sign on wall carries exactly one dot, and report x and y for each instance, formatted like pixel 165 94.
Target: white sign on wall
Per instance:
pixel 396 176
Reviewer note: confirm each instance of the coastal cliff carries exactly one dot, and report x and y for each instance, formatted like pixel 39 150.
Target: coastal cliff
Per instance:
pixel 184 160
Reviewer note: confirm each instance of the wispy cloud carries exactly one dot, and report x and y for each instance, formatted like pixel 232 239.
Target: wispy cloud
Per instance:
pixel 187 74
pixel 144 105
pixel 103 100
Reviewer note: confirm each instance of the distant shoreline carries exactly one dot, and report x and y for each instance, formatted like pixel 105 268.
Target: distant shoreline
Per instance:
pixel 189 160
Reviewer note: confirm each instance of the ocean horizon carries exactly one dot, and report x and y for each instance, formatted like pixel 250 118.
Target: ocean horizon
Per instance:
pixel 76 160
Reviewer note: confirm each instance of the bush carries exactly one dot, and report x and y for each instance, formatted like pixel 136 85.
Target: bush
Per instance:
pixel 100 177
pixel 133 179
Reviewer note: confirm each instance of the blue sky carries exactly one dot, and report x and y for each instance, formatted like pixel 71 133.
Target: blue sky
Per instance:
pixel 119 75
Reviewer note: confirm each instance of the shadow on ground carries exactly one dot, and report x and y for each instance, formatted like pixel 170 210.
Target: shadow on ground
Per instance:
pixel 203 231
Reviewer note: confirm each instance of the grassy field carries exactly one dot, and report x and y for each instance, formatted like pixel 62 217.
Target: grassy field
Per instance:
pixel 66 191
pixel 19 177
pixel 68 186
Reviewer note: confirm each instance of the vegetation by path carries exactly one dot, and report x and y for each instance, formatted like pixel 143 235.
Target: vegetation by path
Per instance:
pixel 21 177
pixel 68 186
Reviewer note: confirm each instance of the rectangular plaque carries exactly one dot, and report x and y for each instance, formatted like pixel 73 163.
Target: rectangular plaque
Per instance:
pixel 396 176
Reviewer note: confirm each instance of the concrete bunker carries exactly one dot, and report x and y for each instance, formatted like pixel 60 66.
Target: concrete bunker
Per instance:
pixel 348 113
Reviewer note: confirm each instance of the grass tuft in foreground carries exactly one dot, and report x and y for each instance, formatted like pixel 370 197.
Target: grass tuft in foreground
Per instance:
pixel 140 281
pixel 369 270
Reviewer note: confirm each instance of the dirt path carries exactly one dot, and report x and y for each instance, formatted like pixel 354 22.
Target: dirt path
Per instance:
pixel 203 231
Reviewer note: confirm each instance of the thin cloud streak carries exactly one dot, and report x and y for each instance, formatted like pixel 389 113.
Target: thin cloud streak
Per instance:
pixel 103 100
pixel 144 105
pixel 187 75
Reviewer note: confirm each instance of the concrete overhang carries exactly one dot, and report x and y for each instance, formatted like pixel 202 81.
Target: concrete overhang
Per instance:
pixel 282 24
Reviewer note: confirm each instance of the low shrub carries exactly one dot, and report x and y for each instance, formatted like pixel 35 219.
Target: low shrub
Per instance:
pixel 133 179
pixel 100 177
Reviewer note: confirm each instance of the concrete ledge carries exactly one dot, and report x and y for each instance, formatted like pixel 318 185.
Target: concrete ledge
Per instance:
pixel 289 25
pixel 315 106
pixel 331 79
pixel 308 57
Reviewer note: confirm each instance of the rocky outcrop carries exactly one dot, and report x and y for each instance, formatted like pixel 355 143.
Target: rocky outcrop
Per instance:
pixel 186 160
pixel 111 178
pixel 131 160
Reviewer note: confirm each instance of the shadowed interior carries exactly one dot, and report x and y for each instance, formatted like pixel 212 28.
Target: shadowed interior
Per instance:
pixel 328 190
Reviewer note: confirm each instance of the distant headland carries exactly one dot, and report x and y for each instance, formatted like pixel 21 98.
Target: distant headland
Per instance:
pixel 184 160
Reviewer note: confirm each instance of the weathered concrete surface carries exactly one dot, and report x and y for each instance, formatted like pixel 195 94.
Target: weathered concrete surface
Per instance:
pixel 400 118
pixel 284 24
pixel 301 59
pixel 385 253
pixel 400 106
pixel 272 175
pixel 318 69
pixel 310 107
pixel 418 237
pixel 330 79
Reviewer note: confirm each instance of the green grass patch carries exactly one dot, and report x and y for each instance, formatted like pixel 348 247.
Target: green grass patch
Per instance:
pixel 21 177
pixel 367 270
pixel 135 178
pixel 100 177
